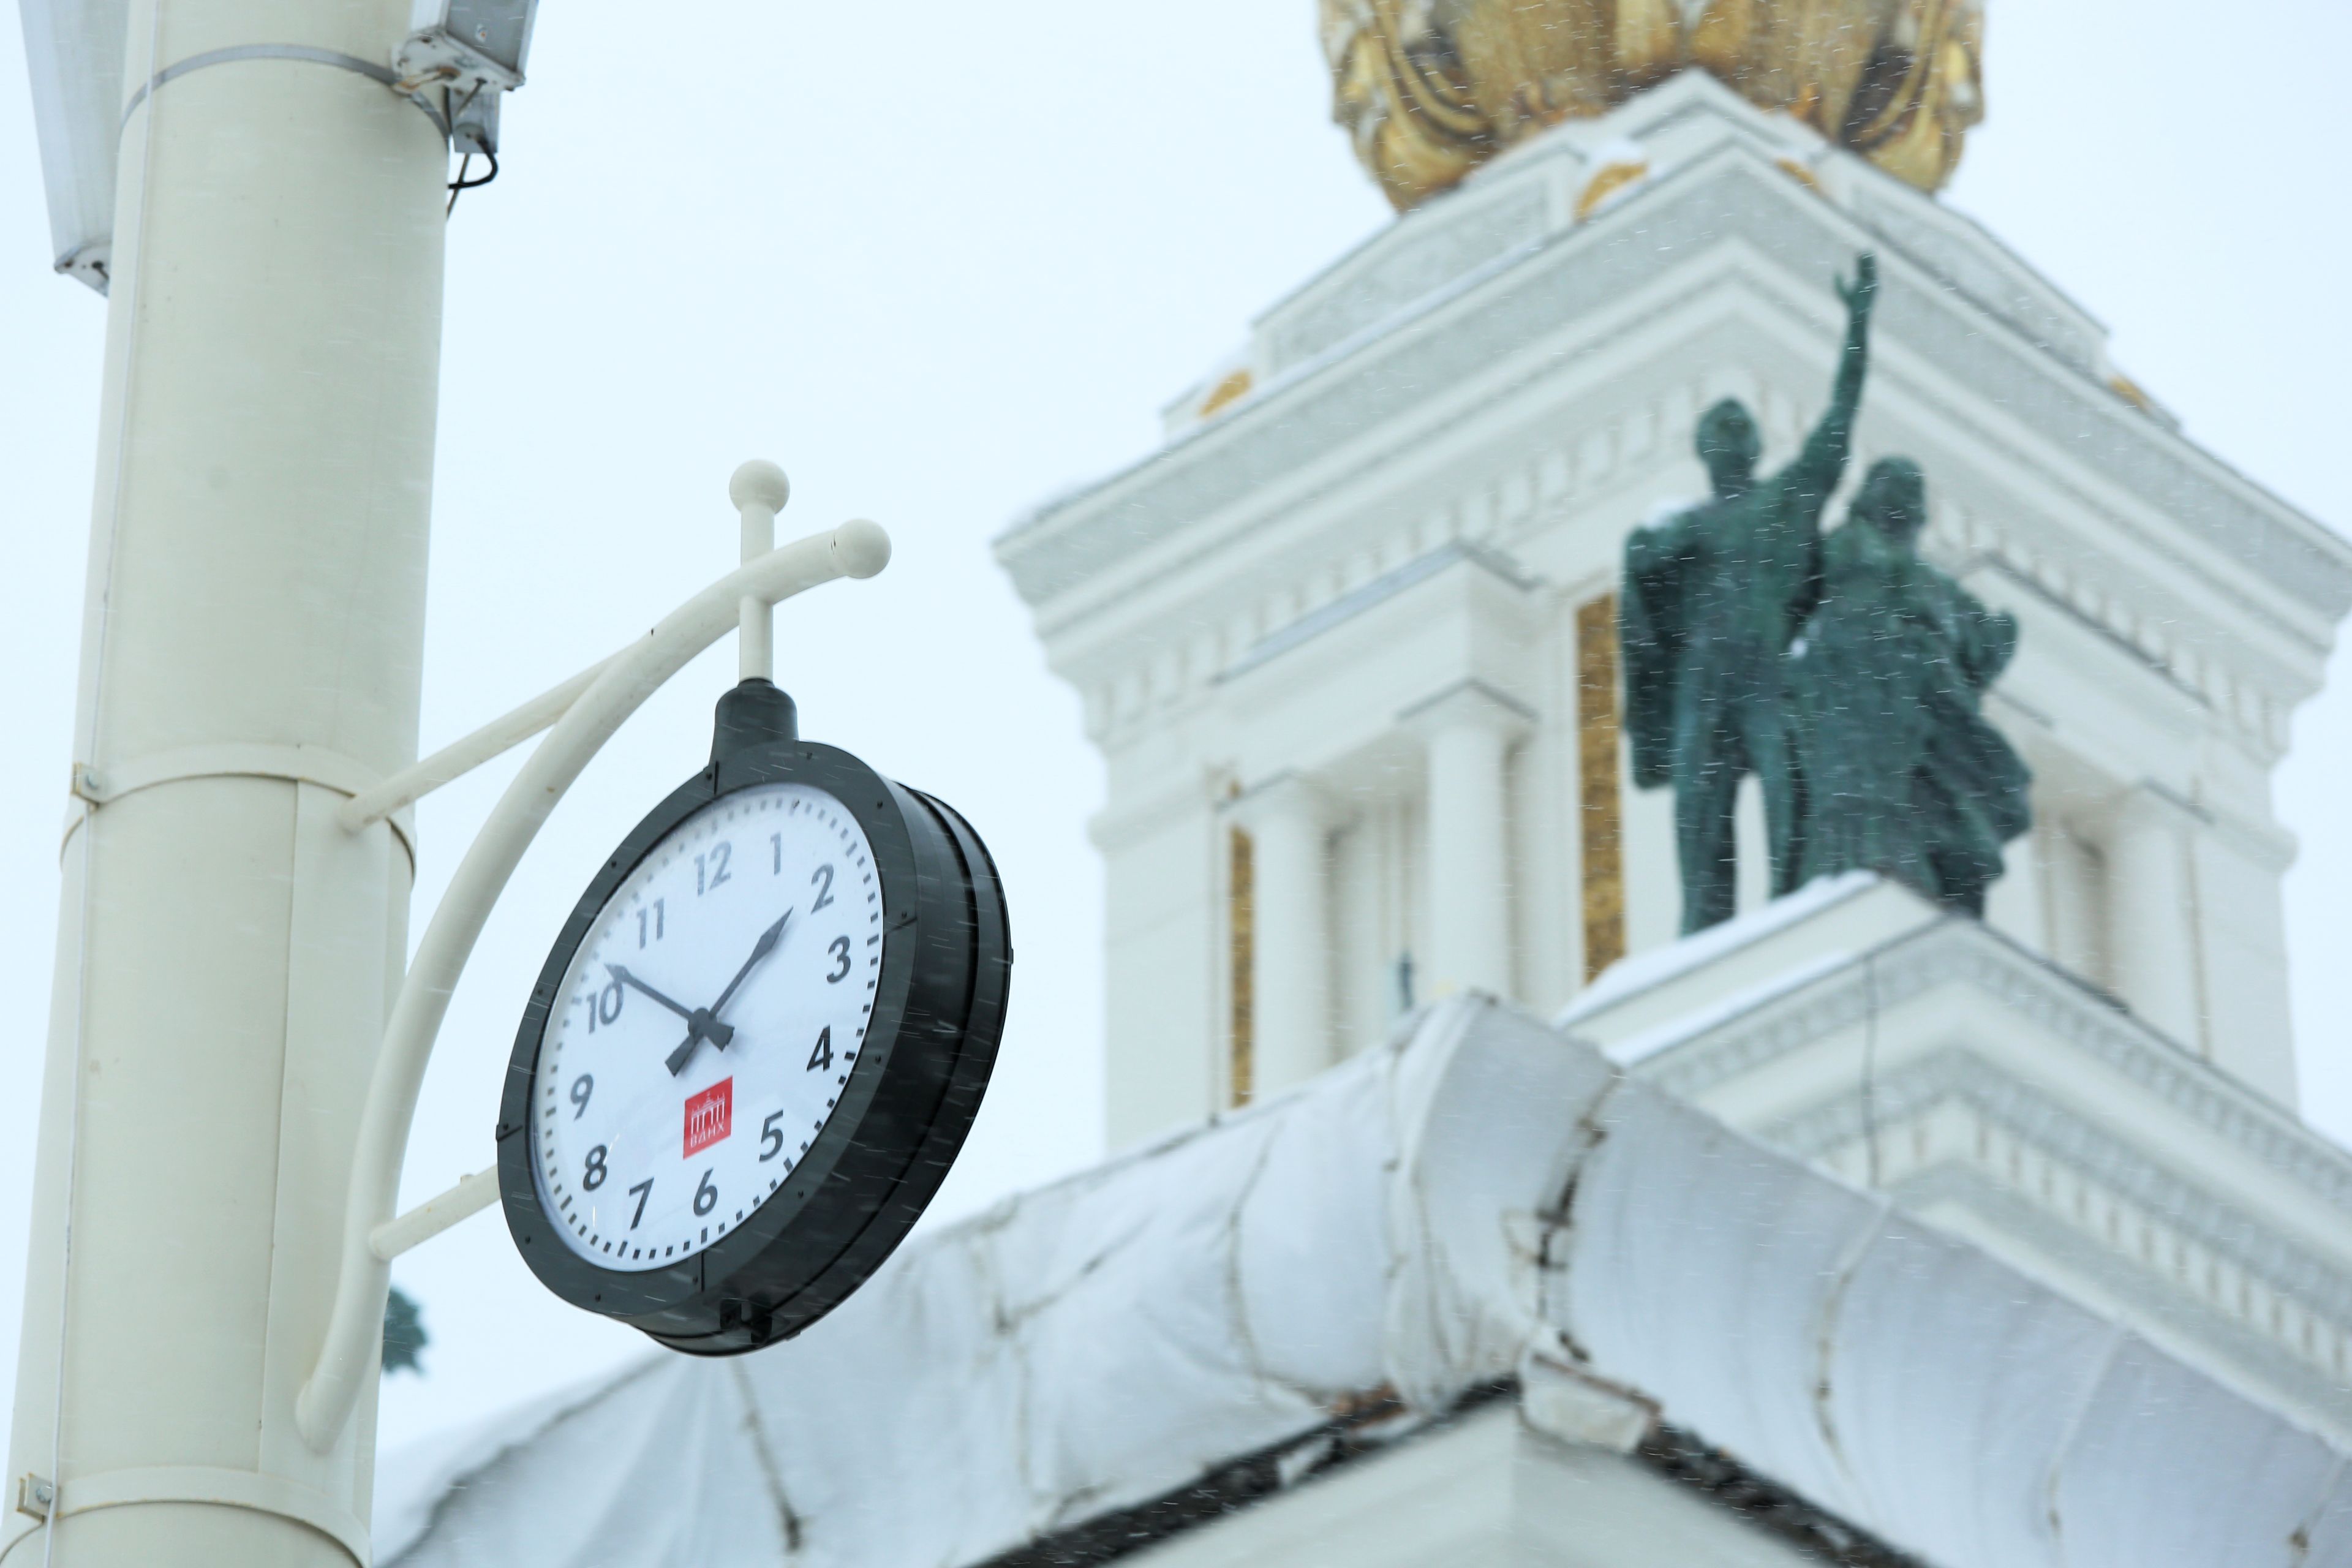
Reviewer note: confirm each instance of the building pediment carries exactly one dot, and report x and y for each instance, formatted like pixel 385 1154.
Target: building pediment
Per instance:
pixel 1446 317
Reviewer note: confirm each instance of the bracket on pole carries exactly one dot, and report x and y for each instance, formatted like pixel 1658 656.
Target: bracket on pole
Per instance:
pixel 434 1216
pixel 580 715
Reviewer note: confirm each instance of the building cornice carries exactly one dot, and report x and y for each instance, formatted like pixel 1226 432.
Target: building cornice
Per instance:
pixel 1730 195
pixel 1378 590
pixel 2196 1250
pixel 1964 1077
pixel 1962 951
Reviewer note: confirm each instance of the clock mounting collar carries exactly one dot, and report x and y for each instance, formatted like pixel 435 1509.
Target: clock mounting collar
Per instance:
pixel 753 714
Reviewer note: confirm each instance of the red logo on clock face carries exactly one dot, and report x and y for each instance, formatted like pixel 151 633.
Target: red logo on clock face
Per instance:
pixel 710 1115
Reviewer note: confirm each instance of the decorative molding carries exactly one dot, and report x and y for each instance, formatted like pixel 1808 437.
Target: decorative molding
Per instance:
pixel 2171 1297
pixel 1314 623
pixel 1398 371
pixel 1963 951
pixel 1399 269
pixel 2242 1259
pixel 1962 1076
pixel 1288 794
pixel 1532 492
pixel 1472 702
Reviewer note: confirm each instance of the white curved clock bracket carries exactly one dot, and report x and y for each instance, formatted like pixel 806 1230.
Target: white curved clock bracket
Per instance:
pixel 580 715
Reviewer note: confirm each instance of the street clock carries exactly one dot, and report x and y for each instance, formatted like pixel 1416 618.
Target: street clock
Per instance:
pixel 758 1044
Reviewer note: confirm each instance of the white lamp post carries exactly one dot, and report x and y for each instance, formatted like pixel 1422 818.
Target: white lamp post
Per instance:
pixel 253 639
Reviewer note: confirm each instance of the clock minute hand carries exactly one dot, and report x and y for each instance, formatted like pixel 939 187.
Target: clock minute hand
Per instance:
pixel 760 950
pixel 707 1023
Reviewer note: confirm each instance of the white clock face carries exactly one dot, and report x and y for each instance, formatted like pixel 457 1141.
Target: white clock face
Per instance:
pixel 707 1026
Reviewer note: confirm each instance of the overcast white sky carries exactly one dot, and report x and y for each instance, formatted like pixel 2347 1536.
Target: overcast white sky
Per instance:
pixel 942 260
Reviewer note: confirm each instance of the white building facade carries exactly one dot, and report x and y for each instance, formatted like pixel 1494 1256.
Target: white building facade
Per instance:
pixel 1346 642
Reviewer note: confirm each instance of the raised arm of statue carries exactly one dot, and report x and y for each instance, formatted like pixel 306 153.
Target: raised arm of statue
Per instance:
pixel 1809 479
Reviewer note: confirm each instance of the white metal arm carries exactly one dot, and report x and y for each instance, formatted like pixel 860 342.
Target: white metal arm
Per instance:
pixel 606 697
pixel 435 1214
pixel 454 761
pixel 759 490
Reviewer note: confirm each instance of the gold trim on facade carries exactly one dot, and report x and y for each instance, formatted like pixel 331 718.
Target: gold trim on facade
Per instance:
pixel 1612 179
pixel 2131 392
pixel 1240 926
pixel 1228 391
pixel 1800 172
pixel 1429 89
pixel 1600 806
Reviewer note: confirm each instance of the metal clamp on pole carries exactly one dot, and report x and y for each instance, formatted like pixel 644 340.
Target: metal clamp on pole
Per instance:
pixel 583 721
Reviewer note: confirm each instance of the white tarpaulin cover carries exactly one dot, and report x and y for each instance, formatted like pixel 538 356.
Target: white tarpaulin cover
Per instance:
pixel 1109 1340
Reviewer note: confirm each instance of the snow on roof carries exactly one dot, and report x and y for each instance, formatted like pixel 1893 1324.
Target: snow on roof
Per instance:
pixel 1637 1048
pixel 1648 971
pixel 1109 1340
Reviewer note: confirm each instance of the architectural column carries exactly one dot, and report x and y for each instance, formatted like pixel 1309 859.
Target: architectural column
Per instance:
pixel 1468 732
pixel 2152 946
pixel 2234 867
pixel 2075 878
pixel 1288 820
pixel 1160 924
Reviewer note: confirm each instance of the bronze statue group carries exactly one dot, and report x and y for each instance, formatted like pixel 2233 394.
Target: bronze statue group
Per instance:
pixel 1842 670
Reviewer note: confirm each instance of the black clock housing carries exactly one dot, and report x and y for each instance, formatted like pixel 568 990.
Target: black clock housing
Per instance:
pixel 916 1085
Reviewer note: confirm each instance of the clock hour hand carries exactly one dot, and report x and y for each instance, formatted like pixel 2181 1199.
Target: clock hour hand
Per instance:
pixel 718 1034
pixel 698 1022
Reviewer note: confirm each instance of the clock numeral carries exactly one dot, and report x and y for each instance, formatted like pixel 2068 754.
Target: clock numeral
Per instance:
pixel 772 1137
pixel 839 948
pixel 705 1196
pixel 593 1176
pixel 711 869
pixel 605 1006
pixel 776 845
pixel 581 1087
pixel 823 882
pixel 641 1192
pixel 654 925
pixel 821 1058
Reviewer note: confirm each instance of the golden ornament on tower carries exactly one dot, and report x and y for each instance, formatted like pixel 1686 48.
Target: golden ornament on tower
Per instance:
pixel 1431 88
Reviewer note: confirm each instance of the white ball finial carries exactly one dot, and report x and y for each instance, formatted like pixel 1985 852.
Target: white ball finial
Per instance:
pixel 760 483
pixel 862 547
